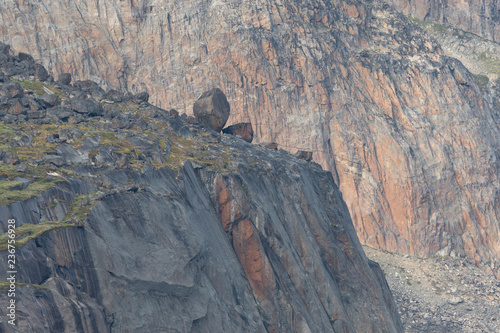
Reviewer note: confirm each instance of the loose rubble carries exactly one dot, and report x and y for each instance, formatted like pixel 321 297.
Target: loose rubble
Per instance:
pixel 441 294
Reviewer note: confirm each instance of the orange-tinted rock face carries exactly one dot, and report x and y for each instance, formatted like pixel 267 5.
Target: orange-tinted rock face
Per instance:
pixel 401 126
pixel 288 225
pixel 479 17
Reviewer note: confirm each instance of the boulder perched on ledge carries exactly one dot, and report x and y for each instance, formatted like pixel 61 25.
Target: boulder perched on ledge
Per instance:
pixel 244 130
pixel 212 109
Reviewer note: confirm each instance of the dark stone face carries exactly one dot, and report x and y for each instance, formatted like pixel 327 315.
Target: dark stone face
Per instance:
pixel 212 109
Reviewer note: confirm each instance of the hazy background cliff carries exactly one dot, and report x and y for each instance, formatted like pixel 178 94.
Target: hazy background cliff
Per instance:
pixel 479 17
pixel 404 128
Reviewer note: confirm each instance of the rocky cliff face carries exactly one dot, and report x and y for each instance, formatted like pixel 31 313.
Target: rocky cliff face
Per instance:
pixel 402 127
pixel 479 17
pixel 131 219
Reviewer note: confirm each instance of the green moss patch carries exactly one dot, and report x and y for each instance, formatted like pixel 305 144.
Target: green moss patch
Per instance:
pixel 11 191
pixel 77 213
pixel 39 87
pixel 5 285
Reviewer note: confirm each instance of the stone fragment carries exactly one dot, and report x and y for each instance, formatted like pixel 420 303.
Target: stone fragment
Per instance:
pixel 56 160
pixel 455 300
pixel 173 113
pixel 22 167
pixel 191 120
pixel 69 134
pixel 9 158
pixel 212 109
pixel 269 145
pixel 244 130
pixel 304 155
pixel 115 96
pixel 142 96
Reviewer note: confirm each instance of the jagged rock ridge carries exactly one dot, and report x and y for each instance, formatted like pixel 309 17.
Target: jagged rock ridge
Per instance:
pixel 135 220
pixel 402 127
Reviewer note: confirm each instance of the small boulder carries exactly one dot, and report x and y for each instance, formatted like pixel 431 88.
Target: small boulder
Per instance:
pixel 212 109
pixel 48 101
pixel 455 300
pixel 9 158
pixel 64 79
pixel 41 73
pixel 26 57
pixel 244 130
pixel 304 155
pixel 90 87
pixel 115 96
pixel 87 106
pixel 173 113
pixel 12 90
pixel 17 108
pixel 191 120
pixel 270 145
pixel 70 134
pixel 56 160
pixel 23 168
pixel 141 97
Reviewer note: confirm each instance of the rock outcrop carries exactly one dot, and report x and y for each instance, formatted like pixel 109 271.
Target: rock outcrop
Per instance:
pixel 479 17
pixel 131 219
pixel 402 127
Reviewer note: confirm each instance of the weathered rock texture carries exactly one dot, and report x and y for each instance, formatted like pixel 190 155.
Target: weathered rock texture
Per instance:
pixel 402 127
pixel 131 219
pixel 479 17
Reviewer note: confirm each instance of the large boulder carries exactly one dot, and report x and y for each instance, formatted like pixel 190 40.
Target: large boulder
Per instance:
pixel 244 130
pixel 212 109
